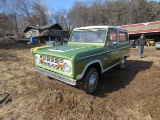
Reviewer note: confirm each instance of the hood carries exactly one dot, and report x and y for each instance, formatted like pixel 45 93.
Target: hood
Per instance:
pixel 65 51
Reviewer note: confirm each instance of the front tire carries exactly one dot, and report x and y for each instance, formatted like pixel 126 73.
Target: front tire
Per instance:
pixel 50 77
pixel 90 80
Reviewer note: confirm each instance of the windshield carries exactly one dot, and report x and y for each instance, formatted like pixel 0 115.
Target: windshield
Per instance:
pixel 91 36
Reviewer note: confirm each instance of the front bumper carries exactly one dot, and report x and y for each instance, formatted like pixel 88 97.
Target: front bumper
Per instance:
pixel 59 77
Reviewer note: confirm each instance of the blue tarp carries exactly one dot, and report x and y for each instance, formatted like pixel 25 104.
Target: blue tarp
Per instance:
pixel 33 40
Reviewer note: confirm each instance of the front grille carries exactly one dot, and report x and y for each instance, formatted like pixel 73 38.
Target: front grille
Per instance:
pixel 51 62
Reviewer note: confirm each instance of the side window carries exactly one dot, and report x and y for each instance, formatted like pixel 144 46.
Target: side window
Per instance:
pixel 123 37
pixel 112 36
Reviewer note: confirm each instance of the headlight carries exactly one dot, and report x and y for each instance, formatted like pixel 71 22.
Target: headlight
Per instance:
pixel 37 58
pixel 67 66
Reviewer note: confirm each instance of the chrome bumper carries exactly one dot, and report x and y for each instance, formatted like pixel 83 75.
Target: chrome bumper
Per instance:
pixel 59 77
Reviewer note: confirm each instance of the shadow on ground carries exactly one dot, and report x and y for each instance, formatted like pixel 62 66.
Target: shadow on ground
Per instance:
pixel 114 80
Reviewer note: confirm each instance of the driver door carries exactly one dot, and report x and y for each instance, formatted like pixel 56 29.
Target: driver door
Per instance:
pixel 111 48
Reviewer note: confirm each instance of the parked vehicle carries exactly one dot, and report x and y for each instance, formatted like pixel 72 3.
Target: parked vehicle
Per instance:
pixel 52 43
pixel 157 45
pixel 90 52
pixel 132 43
pixel 150 42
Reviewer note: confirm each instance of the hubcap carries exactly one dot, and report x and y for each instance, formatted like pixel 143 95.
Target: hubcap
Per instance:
pixel 123 62
pixel 92 82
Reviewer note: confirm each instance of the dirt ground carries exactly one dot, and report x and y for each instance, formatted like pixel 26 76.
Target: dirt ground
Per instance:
pixel 129 94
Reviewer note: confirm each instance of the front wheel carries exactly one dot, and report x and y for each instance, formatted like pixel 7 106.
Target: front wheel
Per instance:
pixel 90 80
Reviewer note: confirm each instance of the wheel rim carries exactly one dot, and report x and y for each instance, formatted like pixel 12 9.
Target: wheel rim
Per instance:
pixel 92 82
pixel 123 62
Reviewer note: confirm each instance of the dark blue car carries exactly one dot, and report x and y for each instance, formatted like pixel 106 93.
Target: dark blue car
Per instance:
pixel 132 43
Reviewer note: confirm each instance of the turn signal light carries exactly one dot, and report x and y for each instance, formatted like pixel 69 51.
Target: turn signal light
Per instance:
pixel 60 65
pixel 41 60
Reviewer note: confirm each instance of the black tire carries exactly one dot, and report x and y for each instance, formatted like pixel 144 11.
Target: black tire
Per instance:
pixel 50 77
pixel 122 63
pixel 90 80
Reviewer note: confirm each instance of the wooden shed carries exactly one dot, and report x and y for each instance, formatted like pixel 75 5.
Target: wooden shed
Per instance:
pixel 45 33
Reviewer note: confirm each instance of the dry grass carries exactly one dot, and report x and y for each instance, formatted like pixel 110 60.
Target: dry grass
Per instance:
pixel 132 93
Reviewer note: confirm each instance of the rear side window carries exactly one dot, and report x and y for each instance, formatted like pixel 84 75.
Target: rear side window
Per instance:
pixel 113 35
pixel 123 37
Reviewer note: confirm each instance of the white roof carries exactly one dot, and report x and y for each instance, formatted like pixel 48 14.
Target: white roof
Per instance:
pixel 98 27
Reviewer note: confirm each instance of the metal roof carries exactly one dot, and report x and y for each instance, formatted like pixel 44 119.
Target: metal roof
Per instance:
pixel 54 26
pixel 50 26
pixel 148 27
pixel 29 28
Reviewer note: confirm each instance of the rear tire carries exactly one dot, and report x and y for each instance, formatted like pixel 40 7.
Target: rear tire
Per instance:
pixel 90 80
pixel 122 63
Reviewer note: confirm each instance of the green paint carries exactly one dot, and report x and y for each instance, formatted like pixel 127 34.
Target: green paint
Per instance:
pixel 86 53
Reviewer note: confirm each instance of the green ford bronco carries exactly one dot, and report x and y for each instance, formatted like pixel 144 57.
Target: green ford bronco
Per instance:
pixel 90 52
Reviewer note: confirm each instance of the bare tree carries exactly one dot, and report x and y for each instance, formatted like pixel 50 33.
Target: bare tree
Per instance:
pixel 39 12
pixel 114 12
pixel 51 19
pixel 5 25
pixel 10 7
pixel 20 13
pixel 79 14
pixel 25 8
pixel 61 17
